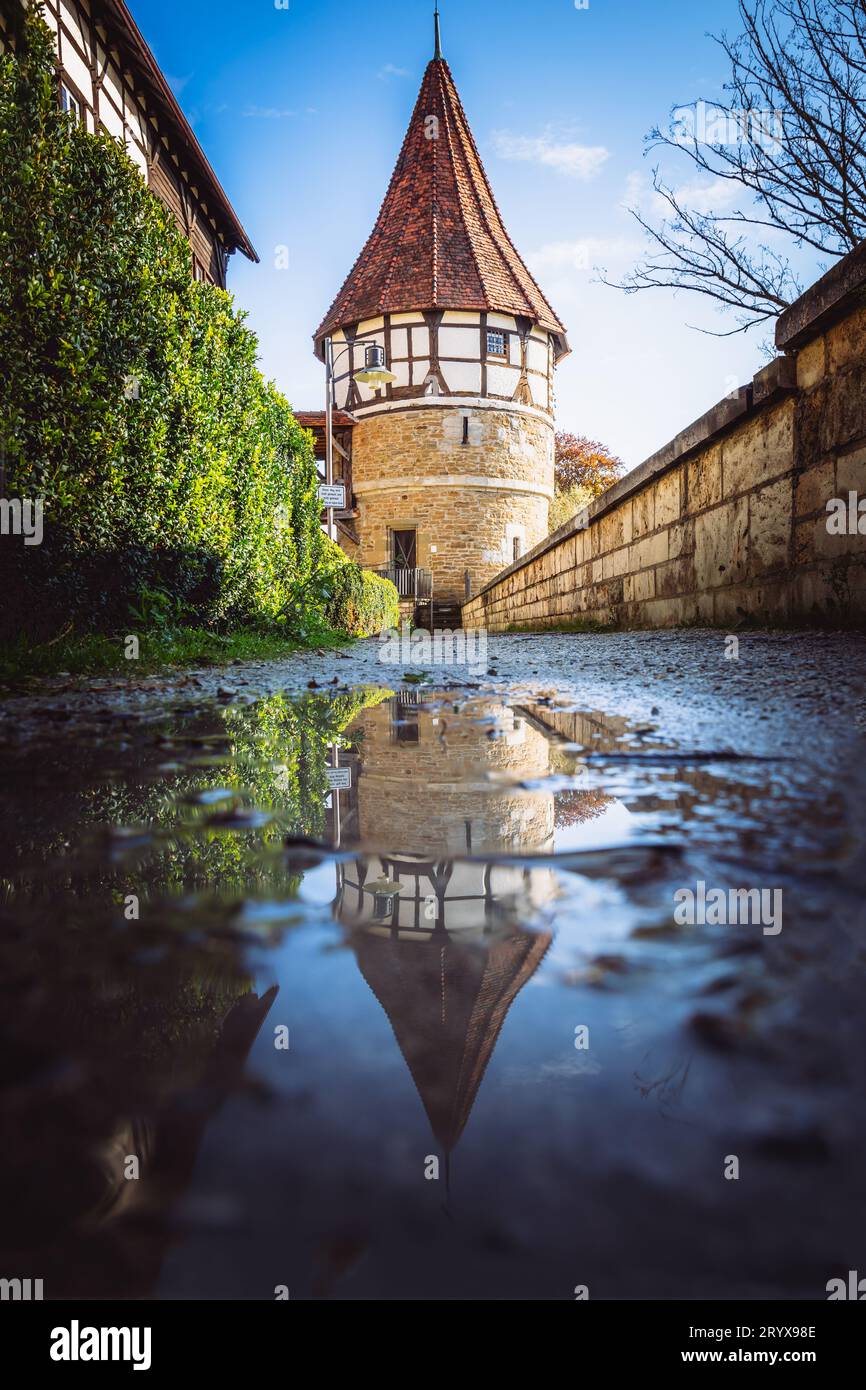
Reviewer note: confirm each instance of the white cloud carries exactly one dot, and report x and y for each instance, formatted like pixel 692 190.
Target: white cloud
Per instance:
pixel 716 196
pixel 389 70
pixel 177 84
pixel 719 196
pixel 267 113
pixel 639 192
pixel 583 254
pixel 566 157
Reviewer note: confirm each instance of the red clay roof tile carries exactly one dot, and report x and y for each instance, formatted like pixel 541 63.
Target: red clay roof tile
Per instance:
pixel 439 241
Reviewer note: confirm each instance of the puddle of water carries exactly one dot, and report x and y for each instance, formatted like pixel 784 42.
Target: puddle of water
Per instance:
pixel 383 995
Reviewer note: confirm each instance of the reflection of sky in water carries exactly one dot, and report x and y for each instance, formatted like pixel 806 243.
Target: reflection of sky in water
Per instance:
pixel 597 1165
pixel 612 826
pixel 319 886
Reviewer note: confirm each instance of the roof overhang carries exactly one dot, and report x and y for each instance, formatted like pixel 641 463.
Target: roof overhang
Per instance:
pixel 139 58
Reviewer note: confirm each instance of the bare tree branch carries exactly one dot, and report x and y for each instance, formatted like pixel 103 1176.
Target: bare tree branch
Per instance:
pixel 791 136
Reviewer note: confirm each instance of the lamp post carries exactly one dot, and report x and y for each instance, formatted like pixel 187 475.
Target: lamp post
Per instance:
pixel 373 373
pixel 338 834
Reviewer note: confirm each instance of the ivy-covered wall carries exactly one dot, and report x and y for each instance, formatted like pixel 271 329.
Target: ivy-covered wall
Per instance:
pixel 130 401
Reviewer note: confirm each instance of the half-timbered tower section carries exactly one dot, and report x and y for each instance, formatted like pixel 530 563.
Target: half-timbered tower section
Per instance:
pixel 452 462
pixel 109 80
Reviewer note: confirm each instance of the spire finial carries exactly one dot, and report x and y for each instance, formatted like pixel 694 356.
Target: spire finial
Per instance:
pixel 438 52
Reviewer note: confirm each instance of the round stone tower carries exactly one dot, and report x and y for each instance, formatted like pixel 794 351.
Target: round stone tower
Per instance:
pixel 452 462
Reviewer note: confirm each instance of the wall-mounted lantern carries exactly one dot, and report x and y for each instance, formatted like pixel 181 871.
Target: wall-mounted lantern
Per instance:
pixel 385 893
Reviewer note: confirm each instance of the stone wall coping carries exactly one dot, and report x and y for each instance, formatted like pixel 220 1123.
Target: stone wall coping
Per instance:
pixel 771 383
pixel 830 299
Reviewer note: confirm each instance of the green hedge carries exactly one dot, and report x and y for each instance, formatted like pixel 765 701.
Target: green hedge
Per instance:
pixel 174 478
pixel 356 600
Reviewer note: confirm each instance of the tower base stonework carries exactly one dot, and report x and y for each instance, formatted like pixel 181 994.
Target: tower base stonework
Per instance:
pixel 473 484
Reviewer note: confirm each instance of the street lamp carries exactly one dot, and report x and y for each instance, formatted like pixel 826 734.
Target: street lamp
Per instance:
pixel 373 373
pixel 385 892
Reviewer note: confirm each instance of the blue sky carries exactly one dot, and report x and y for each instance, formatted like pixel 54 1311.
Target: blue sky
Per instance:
pixel 302 112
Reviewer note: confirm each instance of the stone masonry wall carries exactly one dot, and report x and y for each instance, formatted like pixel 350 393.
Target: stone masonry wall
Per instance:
pixel 411 470
pixel 464 812
pixel 730 519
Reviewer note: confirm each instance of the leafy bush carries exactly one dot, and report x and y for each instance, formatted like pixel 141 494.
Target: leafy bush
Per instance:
pixel 130 402
pixel 356 600
pixel 363 603
pixel 566 503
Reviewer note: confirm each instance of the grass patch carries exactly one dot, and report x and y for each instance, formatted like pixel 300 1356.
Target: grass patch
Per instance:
pixel 159 650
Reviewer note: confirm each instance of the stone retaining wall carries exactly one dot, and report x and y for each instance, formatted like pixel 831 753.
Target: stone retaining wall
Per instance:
pixel 730 519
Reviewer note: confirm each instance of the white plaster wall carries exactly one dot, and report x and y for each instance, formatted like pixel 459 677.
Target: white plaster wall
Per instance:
pixel 537 356
pixel 538 389
pixel 112 122
pixel 137 157
pixel 78 72
pixel 421 342
pixel 502 381
pixel 135 122
pixel 462 376
pixel 459 338
pixel 459 342
pixel 71 21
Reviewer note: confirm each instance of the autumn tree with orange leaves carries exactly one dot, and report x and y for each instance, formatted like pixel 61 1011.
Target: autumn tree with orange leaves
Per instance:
pixel 583 470
pixel 582 462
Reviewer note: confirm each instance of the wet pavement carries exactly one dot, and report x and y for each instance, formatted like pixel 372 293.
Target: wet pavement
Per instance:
pixel 360 982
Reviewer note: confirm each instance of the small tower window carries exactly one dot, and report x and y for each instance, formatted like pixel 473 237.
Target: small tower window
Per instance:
pixel 496 343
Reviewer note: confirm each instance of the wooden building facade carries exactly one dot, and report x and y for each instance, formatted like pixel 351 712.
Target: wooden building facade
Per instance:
pixel 110 81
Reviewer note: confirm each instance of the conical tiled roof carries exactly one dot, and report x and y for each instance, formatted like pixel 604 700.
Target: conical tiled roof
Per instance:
pixel 446 1003
pixel 439 241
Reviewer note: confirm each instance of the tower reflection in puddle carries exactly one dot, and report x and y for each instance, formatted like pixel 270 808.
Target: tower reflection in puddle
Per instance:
pixel 445 933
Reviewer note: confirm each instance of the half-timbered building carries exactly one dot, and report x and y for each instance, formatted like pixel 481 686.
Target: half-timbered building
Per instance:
pixel 109 80
pixel 452 461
